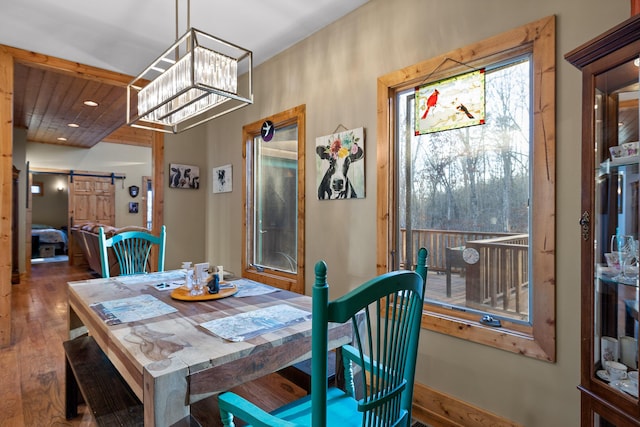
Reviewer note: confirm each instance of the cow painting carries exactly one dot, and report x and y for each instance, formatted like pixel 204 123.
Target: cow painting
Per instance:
pixel 222 176
pixel 338 156
pixel 184 176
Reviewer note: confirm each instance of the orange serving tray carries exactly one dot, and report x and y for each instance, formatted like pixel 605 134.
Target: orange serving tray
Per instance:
pixel 182 293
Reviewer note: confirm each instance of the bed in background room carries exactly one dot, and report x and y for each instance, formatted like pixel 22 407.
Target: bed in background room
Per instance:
pixel 47 240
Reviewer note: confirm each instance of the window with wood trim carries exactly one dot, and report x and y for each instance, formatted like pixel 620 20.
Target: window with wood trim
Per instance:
pixel 481 199
pixel 37 188
pixel 273 179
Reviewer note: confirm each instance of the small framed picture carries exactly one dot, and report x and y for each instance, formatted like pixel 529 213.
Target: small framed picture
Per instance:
pixel 222 179
pixel 133 207
pixel 184 176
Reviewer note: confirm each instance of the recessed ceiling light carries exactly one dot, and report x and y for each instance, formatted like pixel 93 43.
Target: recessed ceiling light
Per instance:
pixel 90 103
pixel 73 125
pixel 62 139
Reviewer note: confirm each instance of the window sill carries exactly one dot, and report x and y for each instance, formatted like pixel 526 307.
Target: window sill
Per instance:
pixel 286 281
pixel 520 340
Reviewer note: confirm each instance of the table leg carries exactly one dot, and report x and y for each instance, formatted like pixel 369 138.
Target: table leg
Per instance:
pixel 76 327
pixel 166 398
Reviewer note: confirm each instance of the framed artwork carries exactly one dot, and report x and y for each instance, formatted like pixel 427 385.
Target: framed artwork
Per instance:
pixel 451 103
pixel 184 176
pixel 340 165
pixel 222 179
pixel 133 207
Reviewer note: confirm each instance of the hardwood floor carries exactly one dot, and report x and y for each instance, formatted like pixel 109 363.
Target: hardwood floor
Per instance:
pixel 32 368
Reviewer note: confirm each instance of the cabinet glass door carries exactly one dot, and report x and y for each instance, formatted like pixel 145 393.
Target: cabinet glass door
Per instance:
pixel 617 202
pixel 599 421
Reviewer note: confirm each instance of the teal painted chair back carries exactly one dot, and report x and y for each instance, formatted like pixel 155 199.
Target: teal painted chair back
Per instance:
pixel 131 250
pixel 379 366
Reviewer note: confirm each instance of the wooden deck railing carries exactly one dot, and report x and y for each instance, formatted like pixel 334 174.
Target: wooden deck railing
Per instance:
pixel 501 273
pixel 495 282
pixel 437 242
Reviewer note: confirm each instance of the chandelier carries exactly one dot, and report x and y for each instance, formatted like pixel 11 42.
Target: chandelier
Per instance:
pixel 199 78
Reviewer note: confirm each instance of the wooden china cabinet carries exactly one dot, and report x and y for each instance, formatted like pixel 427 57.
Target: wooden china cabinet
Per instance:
pixel 610 207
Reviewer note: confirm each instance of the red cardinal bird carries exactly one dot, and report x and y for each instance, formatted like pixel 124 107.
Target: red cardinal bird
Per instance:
pixel 431 102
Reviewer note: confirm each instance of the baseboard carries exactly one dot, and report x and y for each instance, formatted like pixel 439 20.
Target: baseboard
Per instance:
pixel 437 409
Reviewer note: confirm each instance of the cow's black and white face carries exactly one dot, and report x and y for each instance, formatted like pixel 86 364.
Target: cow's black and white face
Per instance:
pixel 222 177
pixel 176 176
pixel 184 177
pixel 335 183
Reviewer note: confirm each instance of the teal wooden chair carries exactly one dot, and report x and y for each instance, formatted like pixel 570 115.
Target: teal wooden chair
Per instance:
pixel 385 313
pixel 131 250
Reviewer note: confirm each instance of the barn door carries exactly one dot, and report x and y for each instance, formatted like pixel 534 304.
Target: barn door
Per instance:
pixel 91 199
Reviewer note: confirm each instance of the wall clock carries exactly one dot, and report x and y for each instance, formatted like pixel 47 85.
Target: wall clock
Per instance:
pixel 470 255
pixel 267 131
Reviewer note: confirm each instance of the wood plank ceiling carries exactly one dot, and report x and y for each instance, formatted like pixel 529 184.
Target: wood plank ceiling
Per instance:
pixel 46 102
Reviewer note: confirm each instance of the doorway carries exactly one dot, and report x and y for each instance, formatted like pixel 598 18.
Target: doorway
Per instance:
pixel 49 220
pixel 10 57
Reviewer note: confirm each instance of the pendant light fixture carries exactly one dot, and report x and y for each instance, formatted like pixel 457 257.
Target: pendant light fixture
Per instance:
pixel 199 78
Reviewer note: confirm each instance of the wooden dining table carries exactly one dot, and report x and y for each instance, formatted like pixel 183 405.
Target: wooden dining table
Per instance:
pixel 172 359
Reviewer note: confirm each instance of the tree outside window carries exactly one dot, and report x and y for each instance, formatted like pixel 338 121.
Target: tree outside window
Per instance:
pixel 468 188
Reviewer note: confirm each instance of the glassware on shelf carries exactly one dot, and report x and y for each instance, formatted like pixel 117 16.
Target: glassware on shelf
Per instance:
pixel 627 248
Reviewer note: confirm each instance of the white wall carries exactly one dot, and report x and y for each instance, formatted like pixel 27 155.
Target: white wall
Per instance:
pixel 334 73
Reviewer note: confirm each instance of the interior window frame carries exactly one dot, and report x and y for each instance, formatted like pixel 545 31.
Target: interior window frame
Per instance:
pixel 281 279
pixel 536 339
pixel 40 186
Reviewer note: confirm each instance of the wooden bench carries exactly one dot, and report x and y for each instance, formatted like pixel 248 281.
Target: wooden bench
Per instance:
pixel 300 373
pixel 108 396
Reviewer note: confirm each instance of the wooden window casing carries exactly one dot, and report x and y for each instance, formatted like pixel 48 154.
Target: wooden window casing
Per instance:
pixel 280 279
pixel 536 339
pixel 40 188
